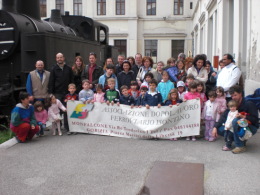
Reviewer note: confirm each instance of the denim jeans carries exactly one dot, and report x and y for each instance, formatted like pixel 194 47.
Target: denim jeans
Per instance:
pixel 234 136
pixel 41 129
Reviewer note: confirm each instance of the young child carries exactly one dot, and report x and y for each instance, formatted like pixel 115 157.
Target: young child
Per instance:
pixel 221 100
pixel 99 95
pixel 190 78
pixel 190 95
pixel 54 106
pixel 210 115
pixel 112 95
pixel 133 91
pixel 165 86
pixel 173 71
pixel 86 95
pixel 140 100
pixel 70 96
pixel 41 117
pixel 126 76
pixel 125 98
pixel 152 97
pixel 232 105
pixel 147 78
pixel 201 91
pixel 181 89
pixel 110 73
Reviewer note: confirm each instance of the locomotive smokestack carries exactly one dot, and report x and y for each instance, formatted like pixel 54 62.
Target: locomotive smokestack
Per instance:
pixel 9 5
pixel 30 8
pixel 56 17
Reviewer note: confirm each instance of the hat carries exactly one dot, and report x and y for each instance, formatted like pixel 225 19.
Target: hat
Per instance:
pixel 180 84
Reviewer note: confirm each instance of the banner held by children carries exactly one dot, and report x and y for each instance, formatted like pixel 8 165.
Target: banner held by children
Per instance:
pixel 122 121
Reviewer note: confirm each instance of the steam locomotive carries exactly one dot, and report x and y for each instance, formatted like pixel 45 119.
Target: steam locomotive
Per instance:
pixel 25 38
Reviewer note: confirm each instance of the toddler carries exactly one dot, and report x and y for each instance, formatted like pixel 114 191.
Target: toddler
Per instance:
pixel 221 100
pixel 86 95
pixel 41 117
pixel 99 95
pixel 54 113
pixel 210 115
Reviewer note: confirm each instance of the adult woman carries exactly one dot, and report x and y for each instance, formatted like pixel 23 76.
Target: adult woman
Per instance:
pixel 108 61
pixel 211 82
pixel 92 71
pixel 147 67
pixel 198 69
pixel 181 76
pixel 157 73
pixel 77 69
pixel 131 60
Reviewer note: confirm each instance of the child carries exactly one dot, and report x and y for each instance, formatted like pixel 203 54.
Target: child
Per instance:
pixel 126 76
pixel 140 100
pixel 165 86
pixel 86 95
pixel 99 96
pixel 133 91
pixel 173 71
pixel 112 95
pixel 125 98
pixel 147 78
pixel 232 105
pixel 41 117
pixel 190 95
pixel 110 70
pixel 181 89
pixel 70 96
pixel 201 91
pixel 54 113
pixel 210 115
pixel 152 97
pixel 221 100
pixel 190 78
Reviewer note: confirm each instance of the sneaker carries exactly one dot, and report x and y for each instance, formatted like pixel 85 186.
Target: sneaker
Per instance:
pixel 188 138
pixel 17 139
pixel 69 133
pixel 193 138
pixel 238 150
pixel 225 148
pixel 60 133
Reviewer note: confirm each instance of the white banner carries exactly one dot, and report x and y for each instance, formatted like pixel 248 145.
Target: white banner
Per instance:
pixel 123 121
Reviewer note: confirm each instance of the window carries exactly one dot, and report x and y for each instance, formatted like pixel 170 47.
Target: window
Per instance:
pixel 151 7
pixel 101 7
pixel 177 47
pixel 151 49
pixel 120 7
pixel 43 8
pixel 121 45
pixel 77 6
pixel 178 7
pixel 60 6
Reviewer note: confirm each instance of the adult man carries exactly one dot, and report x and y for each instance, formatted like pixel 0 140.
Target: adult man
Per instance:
pixel 243 107
pixel 37 82
pixel 229 75
pixel 120 59
pixel 92 71
pixel 60 78
pixel 138 64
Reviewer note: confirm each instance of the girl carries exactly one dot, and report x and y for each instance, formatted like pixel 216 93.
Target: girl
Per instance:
pixel 190 95
pixel 181 76
pixel 181 89
pixel 126 76
pixel 41 117
pixel 201 91
pixel 173 99
pixel 99 95
pixel 133 91
pixel 54 106
pixel 221 100
pixel 147 78
pixel 165 86
pixel 77 69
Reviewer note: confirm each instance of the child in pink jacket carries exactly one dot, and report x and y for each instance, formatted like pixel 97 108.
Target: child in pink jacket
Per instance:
pixel 41 117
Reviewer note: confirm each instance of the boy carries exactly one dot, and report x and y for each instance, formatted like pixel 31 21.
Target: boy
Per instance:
pixel 152 97
pixel 190 78
pixel 86 94
pixel 140 100
pixel 70 96
pixel 112 95
pixel 110 69
pixel 125 98
pixel 147 78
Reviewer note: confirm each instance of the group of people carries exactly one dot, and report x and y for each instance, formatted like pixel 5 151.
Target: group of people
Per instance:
pixel 135 82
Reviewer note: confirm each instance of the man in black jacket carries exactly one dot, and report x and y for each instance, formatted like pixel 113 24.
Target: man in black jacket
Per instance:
pixel 246 110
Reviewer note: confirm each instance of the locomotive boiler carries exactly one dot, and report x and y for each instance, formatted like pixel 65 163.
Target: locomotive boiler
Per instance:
pixel 25 38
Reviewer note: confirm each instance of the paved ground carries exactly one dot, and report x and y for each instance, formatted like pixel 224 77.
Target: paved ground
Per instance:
pixel 95 165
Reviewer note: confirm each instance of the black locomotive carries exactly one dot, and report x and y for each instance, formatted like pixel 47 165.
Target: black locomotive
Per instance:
pixel 25 38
